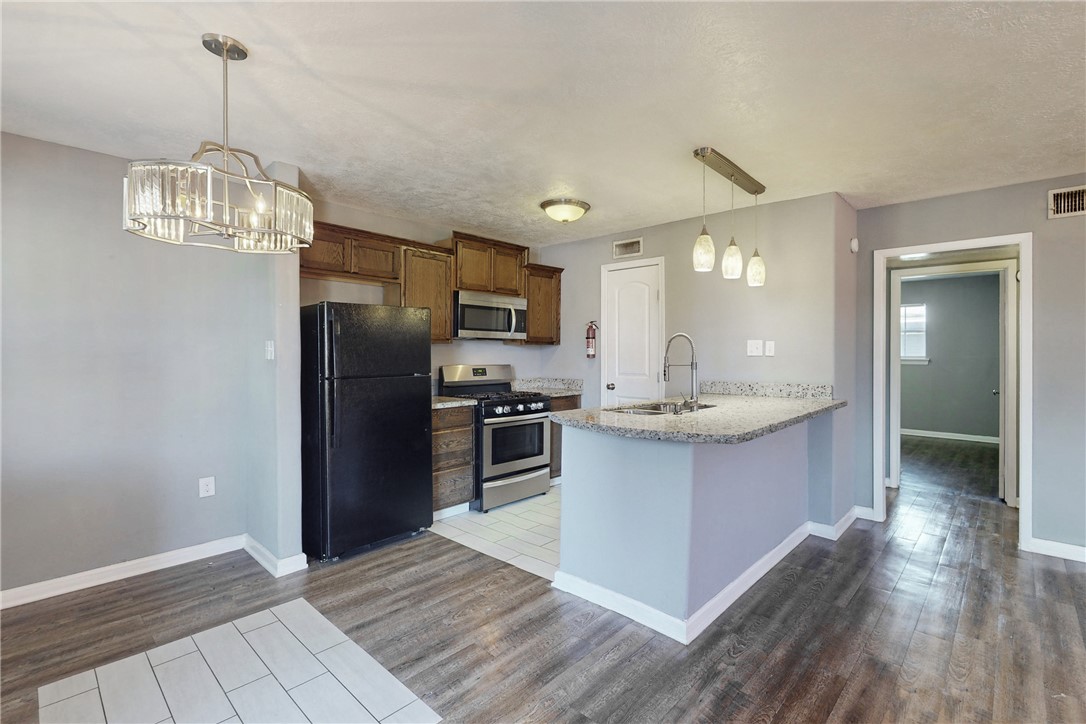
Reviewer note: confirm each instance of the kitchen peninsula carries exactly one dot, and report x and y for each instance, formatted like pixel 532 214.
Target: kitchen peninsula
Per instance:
pixel 667 519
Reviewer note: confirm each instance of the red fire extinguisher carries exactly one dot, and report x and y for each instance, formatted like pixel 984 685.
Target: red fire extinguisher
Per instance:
pixel 590 340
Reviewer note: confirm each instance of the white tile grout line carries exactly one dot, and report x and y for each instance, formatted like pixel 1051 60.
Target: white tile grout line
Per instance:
pixel 270 673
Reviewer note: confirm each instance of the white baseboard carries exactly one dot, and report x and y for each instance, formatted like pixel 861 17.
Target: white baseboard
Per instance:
pixel 642 613
pixel 451 511
pixel 1054 548
pixel 833 532
pixel 119 571
pixel 867 513
pixel 718 604
pixel 278 567
pixel 682 631
pixel 952 436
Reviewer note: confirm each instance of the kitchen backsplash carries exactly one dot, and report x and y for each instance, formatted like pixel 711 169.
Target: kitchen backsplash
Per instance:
pixel 767 389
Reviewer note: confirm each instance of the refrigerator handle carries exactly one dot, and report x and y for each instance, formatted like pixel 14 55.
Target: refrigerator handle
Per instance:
pixel 333 415
pixel 331 332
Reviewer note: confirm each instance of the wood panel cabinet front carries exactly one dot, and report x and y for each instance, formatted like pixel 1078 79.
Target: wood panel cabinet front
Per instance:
pixel 474 266
pixel 508 271
pixel 544 292
pixel 427 282
pixel 557 405
pixel 453 456
pixel 329 252
pixel 372 258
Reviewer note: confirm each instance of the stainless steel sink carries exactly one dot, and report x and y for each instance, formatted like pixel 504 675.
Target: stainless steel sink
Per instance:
pixel 662 408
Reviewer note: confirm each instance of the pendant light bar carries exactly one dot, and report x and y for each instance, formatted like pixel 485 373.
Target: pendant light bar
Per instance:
pixel 728 169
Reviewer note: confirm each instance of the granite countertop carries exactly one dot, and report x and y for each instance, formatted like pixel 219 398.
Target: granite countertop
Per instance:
pixel 735 419
pixel 440 403
pixel 551 386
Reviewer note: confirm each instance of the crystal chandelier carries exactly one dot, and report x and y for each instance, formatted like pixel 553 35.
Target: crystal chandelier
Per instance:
pixel 221 198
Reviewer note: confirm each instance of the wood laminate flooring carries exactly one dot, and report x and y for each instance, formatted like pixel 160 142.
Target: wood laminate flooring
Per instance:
pixel 933 614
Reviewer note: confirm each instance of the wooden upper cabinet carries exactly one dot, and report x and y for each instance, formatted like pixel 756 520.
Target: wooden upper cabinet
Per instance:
pixel 474 265
pixel 486 265
pixel 374 258
pixel 508 271
pixel 427 282
pixel 544 291
pixel 329 252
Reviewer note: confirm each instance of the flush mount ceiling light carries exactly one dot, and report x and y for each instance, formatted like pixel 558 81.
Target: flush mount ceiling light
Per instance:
pixel 222 197
pixel 565 210
pixel 704 251
pixel 731 262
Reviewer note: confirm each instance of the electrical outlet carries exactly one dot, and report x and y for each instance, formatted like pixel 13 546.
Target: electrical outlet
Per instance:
pixel 754 348
pixel 770 348
pixel 269 349
pixel 207 486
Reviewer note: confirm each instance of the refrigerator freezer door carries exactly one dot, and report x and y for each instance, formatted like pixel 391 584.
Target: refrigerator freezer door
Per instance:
pixel 372 340
pixel 378 481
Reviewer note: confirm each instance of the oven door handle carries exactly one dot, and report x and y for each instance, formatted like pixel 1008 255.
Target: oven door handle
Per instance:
pixel 515 420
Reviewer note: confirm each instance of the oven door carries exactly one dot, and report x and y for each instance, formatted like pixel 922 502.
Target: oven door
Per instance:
pixel 511 445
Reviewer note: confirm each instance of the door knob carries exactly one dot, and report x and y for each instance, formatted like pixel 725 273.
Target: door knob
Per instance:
pixel 610 385
pixel 995 392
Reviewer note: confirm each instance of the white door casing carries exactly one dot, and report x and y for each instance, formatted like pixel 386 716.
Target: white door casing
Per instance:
pixel 1008 367
pixel 1024 392
pixel 631 331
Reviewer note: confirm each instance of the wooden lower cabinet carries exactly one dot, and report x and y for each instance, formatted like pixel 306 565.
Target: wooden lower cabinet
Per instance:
pixel 454 456
pixel 557 405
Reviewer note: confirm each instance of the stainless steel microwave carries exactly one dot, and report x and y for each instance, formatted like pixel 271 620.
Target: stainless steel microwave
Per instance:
pixel 480 315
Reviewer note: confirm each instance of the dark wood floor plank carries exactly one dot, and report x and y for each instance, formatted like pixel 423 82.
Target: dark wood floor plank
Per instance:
pixel 933 614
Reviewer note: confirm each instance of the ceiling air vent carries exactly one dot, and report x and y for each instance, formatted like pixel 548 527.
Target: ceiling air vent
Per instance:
pixel 1067 202
pixel 626 249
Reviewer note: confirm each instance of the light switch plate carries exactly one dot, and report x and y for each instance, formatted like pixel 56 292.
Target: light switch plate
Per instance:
pixel 770 348
pixel 754 348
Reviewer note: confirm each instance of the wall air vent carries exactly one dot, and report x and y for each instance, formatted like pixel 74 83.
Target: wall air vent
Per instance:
pixel 626 249
pixel 1067 202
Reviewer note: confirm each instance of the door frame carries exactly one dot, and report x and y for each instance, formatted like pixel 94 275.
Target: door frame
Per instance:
pixel 880 364
pixel 1008 364
pixel 605 322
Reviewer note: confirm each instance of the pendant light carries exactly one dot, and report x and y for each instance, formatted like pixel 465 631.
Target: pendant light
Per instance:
pixel 704 250
pixel 222 197
pixel 756 267
pixel 731 263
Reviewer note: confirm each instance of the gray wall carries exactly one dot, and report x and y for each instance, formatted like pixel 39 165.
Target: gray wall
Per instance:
pixel 130 369
pixel 953 393
pixel 1059 331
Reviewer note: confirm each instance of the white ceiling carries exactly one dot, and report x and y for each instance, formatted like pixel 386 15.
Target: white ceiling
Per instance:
pixel 467 115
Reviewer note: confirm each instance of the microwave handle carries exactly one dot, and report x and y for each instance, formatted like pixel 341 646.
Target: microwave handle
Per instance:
pixel 512 319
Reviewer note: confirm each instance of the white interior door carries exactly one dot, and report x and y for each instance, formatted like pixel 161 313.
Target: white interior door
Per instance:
pixel 631 331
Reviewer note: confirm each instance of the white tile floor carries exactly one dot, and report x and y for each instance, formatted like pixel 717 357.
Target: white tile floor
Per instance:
pixel 524 533
pixel 286 664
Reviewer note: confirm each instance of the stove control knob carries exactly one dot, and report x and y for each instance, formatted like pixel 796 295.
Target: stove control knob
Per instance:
pixel 520 408
pixel 505 408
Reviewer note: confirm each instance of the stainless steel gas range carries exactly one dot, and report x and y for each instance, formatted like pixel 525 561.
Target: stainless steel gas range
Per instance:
pixel 512 433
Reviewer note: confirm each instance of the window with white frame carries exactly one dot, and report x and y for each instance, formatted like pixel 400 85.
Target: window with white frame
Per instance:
pixel 914 332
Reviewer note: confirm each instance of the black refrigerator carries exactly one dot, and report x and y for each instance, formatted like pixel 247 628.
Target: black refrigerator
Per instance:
pixel 366 426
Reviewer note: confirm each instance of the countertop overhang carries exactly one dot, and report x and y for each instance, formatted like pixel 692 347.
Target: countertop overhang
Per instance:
pixel 735 419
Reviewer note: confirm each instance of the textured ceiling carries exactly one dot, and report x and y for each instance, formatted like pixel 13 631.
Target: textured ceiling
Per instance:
pixel 467 115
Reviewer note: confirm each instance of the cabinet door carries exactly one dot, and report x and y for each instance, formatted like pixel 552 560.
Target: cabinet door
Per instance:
pixel 508 275
pixel 557 405
pixel 427 282
pixel 474 266
pixel 544 305
pixel 373 258
pixel 329 252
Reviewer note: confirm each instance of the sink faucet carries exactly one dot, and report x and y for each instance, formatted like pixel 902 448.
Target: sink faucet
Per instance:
pixel 693 366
